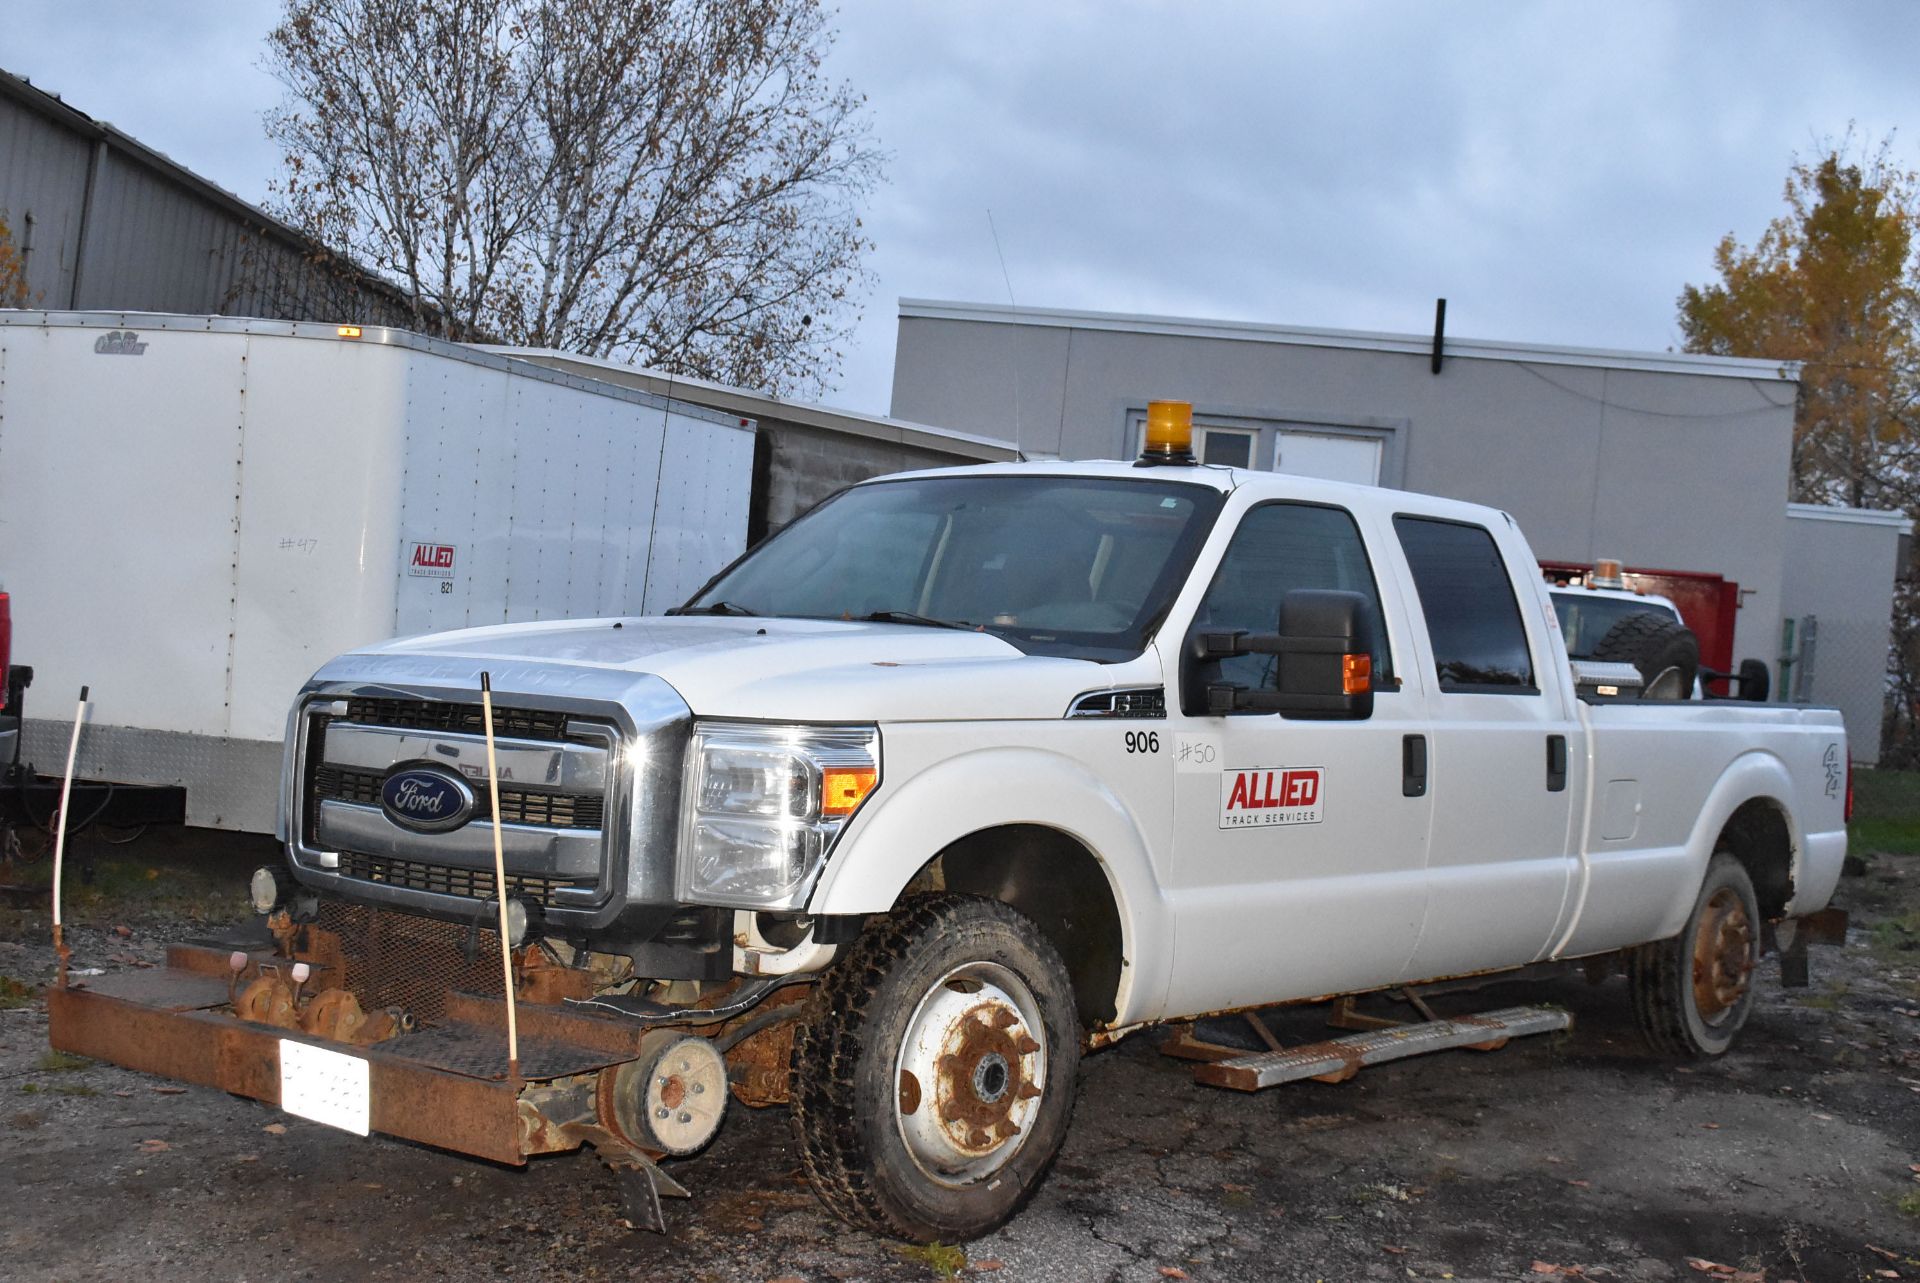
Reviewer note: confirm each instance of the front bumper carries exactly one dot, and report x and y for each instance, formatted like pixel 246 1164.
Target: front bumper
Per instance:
pixel 410 1100
pixel 445 1086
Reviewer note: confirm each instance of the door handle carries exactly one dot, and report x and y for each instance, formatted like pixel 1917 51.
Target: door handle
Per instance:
pixel 1556 763
pixel 1413 766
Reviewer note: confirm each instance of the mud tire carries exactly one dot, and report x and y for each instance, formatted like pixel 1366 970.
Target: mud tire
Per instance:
pixel 845 1103
pixel 1664 976
pixel 1665 651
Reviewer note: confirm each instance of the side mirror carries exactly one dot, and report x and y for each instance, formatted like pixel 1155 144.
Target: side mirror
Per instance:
pixel 1324 660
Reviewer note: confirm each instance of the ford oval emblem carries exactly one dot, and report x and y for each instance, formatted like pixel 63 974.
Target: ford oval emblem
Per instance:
pixel 427 800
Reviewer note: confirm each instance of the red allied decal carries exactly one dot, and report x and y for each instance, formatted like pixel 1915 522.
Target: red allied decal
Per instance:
pixel 1265 796
pixel 434 560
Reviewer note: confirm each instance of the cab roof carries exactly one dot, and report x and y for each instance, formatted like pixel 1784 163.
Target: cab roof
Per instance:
pixel 1258 483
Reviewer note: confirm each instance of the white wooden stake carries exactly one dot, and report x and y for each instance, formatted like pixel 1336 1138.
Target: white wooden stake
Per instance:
pixel 500 879
pixel 60 835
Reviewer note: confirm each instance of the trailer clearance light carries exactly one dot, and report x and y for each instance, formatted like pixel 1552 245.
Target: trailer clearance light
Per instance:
pixel 347 331
pixel 1169 433
pixel 1356 674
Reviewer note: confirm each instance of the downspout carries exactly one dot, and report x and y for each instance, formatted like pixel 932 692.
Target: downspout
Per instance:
pixel 96 178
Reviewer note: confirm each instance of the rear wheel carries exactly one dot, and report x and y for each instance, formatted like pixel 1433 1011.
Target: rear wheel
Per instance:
pixel 934 1070
pixel 1692 994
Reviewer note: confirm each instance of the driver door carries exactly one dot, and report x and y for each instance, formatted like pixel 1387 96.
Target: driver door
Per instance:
pixel 1299 844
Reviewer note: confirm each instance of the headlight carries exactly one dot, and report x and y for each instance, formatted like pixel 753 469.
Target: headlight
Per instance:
pixel 761 806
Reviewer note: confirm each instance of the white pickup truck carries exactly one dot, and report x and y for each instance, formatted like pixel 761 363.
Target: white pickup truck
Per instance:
pixel 957 776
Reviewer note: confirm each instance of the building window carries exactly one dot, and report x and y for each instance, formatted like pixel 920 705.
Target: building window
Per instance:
pixel 1473 619
pixel 1329 456
pixel 1227 446
pixel 1358 453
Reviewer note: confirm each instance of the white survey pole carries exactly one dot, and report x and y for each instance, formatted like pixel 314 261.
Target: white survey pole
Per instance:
pixel 500 879
pixel 60 950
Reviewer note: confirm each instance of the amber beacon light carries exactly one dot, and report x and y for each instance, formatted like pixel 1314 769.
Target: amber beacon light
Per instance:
pixel 1169 433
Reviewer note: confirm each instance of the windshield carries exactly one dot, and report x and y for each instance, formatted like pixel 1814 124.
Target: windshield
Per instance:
pixel 1082 566
pixel 1585 619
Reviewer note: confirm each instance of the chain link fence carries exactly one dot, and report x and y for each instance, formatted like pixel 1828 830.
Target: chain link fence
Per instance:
pixel 1841 663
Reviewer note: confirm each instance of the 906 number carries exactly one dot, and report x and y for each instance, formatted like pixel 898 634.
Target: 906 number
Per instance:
pixel 1143 741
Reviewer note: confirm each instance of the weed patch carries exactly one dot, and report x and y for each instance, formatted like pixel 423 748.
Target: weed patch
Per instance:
pixel 943 1259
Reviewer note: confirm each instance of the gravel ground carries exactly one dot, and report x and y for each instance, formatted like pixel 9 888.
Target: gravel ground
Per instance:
pixel 1577 1156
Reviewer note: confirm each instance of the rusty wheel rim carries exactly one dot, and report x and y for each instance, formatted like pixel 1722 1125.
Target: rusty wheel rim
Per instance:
pixel 1722 956
pixel 970 1074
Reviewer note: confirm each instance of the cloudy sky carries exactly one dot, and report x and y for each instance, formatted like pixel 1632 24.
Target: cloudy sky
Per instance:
pixel 1558 172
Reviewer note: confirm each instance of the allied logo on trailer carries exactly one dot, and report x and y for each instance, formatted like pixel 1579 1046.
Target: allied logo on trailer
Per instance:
pixel 119 343
pixel 427 800
pixel 1269 795
pixel 433 560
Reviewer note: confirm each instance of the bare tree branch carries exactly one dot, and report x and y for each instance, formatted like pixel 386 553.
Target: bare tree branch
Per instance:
pixel 670 182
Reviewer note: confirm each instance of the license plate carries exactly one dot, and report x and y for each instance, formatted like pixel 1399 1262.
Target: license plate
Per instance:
pixel 327 1086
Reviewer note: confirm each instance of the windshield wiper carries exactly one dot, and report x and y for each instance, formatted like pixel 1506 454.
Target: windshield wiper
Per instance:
pixel 712 608
pixel 908 617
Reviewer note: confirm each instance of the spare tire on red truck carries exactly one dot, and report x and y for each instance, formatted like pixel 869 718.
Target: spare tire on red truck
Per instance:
pixel 1664 650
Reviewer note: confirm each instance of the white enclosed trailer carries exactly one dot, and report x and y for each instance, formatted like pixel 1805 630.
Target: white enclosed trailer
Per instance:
pixel 197 512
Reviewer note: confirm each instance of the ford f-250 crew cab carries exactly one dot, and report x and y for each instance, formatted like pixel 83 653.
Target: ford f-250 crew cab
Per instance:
pixel 957 776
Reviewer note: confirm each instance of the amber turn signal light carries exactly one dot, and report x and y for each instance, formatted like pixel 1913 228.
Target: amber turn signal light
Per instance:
pixel 843 788
pixel 1356 674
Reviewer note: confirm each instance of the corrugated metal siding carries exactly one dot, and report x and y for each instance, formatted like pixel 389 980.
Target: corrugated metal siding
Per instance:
pixel 157 240
pixel 43 171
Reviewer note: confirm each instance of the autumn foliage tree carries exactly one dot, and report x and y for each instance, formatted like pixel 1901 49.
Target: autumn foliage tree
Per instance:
pixel 13 270
pixel 1834 284
pixel 671 182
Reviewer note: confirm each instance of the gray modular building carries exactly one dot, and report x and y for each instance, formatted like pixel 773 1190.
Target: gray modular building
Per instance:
pixel 104 222
pixel 1669 462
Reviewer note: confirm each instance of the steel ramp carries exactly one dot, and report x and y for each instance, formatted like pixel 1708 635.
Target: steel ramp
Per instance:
pixel 1338 1059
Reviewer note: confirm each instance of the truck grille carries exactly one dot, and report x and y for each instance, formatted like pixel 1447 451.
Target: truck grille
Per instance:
pixel 466 719
pixel 517 806
pixel 446 879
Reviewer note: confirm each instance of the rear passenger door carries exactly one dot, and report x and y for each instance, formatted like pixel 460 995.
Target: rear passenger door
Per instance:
pixel 1498 862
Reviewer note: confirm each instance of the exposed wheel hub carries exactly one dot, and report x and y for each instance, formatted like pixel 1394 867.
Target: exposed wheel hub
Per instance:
pixel 972 1070
pixel 1722 955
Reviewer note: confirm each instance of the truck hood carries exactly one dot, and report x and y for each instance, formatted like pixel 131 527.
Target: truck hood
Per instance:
pixel 789 669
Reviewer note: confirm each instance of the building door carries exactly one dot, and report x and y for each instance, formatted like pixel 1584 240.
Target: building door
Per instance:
pixel 1328 456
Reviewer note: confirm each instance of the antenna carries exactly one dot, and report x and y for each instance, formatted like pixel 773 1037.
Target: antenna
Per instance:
pixel 1014 374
